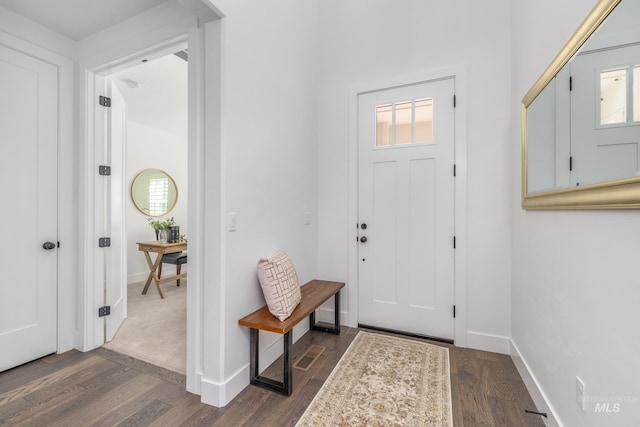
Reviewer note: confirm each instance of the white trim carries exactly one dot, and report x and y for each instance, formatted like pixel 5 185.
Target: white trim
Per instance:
pixel 195 212
pixel 138 277
pixel 539 397
pixel 220 394
pixel 206 172
pixel 167 270
pixel 489 342
pixel 66 304
pixel 459 74
pixel 327 315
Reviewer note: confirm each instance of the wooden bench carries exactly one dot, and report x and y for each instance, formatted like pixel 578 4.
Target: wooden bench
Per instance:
pixel 314 294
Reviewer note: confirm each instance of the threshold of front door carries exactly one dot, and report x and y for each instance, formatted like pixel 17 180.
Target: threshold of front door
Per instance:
pixel 406 334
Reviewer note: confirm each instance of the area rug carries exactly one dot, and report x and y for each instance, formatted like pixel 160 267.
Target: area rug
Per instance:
pixel 385 381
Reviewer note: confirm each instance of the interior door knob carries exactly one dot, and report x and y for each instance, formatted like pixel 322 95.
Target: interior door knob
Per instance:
pixel 363 239
pixel 49 245
pixel 363 226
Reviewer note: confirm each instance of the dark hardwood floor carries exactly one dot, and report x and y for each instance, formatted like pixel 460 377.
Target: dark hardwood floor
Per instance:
pixel 103 388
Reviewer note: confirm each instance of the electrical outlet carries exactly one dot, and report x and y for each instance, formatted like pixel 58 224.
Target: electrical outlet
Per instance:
pixel 581 393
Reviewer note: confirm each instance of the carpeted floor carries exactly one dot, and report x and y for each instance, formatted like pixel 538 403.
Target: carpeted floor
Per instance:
pixel 155 328
pixel 385 381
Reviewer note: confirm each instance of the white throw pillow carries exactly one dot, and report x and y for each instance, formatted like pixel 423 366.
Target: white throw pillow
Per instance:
pixel 279 282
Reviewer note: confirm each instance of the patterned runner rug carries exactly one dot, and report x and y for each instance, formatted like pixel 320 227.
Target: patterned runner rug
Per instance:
pixel 385 381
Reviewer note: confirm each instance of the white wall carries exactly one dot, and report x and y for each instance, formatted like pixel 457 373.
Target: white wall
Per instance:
pixel 364 41
pixel 575 291
pixel 269 135
pixel 37 34
pixel 151 148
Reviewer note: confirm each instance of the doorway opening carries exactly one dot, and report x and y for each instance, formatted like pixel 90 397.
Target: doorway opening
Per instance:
pixel 155 92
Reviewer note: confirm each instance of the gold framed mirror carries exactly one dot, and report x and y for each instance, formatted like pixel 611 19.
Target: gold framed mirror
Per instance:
pixel 581 119
pixel 154 192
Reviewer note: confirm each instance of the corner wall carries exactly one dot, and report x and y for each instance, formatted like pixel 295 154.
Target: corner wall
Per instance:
pixel 363 41
pixel 575 290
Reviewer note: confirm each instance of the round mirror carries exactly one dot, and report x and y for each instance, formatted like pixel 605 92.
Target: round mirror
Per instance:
pixel 154 192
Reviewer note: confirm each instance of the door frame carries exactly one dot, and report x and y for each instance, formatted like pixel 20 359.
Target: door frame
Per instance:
pixel 203 132
pixel 459 74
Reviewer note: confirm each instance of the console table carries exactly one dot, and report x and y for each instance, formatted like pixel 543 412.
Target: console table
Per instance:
pixel 160 249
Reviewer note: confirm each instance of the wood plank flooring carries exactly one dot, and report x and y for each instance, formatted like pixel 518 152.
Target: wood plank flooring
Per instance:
pixel 104 388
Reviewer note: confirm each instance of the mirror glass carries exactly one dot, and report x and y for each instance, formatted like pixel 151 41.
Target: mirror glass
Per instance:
pixel 581 121
pixel 154 192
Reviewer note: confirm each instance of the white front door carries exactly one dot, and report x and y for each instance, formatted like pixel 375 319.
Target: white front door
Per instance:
pixel 406 208
pixel 29 214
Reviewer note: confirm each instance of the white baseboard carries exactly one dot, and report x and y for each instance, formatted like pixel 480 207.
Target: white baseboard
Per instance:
pixel 137 277
pixel 489 342
pixel 220 394
pixel 167 269
pixel 327 315
pixel 537 394
pixel 196 386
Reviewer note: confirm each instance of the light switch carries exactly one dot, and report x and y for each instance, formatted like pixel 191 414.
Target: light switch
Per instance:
pixel 307 218
pixel 232 221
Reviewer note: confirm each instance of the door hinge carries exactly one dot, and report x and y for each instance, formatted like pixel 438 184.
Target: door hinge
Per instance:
pixel 570 83
pixel 58 244
pixel 105 101
pixel 454 311
pixel 454 169
pixel 570 163
pixel 104 242
pixel 104 311
pixel 104 170
pixel 454 242
pixel 454 101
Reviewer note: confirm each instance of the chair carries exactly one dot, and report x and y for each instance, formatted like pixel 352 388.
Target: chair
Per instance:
pixel 177 259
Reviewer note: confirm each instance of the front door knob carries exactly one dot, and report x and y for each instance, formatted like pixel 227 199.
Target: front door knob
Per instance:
pixel 363 226
pixel 49 245
pixel 363 239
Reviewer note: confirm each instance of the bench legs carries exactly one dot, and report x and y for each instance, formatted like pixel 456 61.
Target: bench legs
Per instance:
pixel 336 323
pixel 285 387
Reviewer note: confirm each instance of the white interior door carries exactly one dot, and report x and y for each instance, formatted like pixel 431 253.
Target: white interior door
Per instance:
pixel 117 268
pixel 406 208
pixel 110 139
pixel 605 115
pixel 28 167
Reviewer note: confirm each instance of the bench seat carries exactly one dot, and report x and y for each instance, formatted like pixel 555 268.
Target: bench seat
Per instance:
pixel 314 294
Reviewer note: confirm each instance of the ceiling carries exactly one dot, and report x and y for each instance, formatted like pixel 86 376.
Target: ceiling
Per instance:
pixel 160 100
pixel 78 19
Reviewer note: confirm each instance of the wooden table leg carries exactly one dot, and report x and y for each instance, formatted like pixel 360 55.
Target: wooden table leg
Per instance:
pixel 153 266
